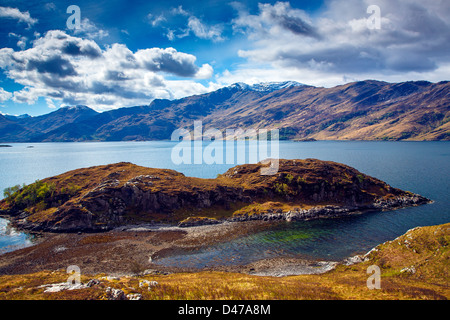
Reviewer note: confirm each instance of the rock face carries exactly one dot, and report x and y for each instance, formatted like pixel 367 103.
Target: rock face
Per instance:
pixel 103 197
pixel 330 211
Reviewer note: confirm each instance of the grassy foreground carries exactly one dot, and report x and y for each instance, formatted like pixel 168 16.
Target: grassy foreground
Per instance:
pixel 413 266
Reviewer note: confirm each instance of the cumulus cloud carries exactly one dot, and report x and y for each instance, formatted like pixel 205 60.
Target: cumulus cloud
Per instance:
pixel 16 14
pixel 273 20
pixel 414 38
pixel 168 60
pixel 70 70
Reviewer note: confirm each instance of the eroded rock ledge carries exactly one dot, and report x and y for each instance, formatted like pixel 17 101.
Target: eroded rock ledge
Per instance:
pixel 104 197
pixel 327 211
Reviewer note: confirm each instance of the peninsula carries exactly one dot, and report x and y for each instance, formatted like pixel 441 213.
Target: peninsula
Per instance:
pixel 105 197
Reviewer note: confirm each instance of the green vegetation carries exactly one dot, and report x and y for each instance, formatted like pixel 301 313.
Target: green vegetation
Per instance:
pixel 287 133
pixel 71 189
pixel 431 118
pixel 8 192
pixel 345 118
pixel 282 189
pixel 300 180
pixel 360 178
pixel 36 194
pixel 289 177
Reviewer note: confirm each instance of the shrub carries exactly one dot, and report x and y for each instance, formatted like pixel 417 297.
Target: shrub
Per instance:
pixel 282 188
pixel 30 195
pixel 289 177
pixel 300 180
pixel 360 178
pixel 8 192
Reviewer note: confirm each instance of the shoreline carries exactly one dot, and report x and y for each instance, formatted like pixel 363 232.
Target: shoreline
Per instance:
pixel 296 214
pixel 413 266
pixel 136 248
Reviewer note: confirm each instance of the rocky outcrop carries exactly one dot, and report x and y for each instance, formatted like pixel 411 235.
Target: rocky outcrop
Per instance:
pixel 197 221
pixel 330 211
pixel 104 197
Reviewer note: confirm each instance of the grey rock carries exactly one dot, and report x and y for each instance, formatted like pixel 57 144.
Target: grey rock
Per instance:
pixel 134 296
pixel 92 282
pixel 115 294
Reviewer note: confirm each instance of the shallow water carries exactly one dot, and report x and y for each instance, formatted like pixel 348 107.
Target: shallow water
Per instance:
pixel 11 239
pixel 420 167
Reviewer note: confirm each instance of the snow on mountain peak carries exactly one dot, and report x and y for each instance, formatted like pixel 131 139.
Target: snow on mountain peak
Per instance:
pixel 266 86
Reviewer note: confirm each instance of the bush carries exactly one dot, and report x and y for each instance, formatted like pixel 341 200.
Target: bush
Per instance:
pixel 300 180
pixel 360 178
pixel 282 188
pixel 289 177
pixel 30 195
pixel 8 192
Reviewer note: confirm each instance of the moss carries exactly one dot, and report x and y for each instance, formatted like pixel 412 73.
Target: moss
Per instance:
pixel 360 178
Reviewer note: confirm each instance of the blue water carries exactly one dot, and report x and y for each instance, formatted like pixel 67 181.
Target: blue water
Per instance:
pixel 420 167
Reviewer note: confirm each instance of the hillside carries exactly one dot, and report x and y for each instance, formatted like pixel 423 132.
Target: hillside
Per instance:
pixel 364 110
pixel 103 197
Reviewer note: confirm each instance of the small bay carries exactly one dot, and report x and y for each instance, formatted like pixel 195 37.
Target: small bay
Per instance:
pixel 420 167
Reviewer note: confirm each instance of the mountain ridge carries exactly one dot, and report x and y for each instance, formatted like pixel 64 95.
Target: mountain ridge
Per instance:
pixel 363 110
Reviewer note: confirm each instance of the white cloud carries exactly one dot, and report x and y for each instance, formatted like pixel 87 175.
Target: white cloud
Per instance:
pixel 204 31
pixel 22 40
pixel 50 6
pixel 155 20
pixel 179 11
pixel 336 44
pixel 5 95
pixel 170 21
pixel 167 60
pixel 69 70
pixel 14 13
pixel 89 30
pixel 50 103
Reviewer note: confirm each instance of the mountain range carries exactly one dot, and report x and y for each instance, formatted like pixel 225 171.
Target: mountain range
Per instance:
pixel 363 110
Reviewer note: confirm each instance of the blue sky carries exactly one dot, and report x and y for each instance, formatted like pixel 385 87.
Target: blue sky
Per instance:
pixel 128 53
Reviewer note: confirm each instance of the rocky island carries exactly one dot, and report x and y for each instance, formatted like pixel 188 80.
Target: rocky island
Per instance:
pixel 104 197
pixel 107 220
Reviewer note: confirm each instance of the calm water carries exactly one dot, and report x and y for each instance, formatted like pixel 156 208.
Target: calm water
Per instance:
pixel 421 167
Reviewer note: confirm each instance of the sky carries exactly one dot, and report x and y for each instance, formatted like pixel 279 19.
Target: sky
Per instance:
pixel 108 54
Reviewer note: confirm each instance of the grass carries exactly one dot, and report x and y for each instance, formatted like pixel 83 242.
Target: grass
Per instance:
pixel 264 207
